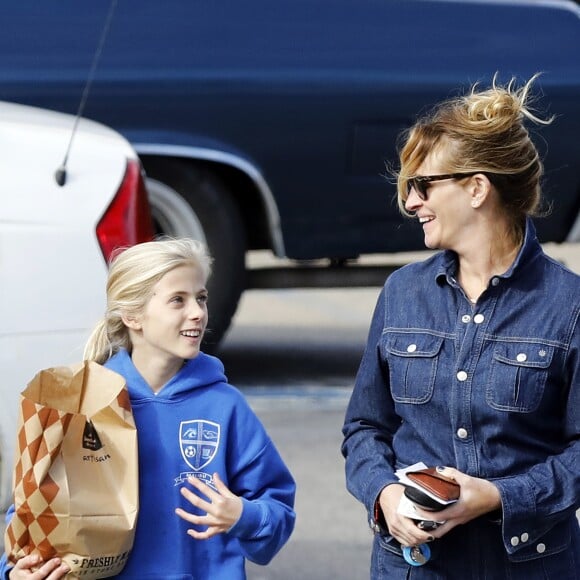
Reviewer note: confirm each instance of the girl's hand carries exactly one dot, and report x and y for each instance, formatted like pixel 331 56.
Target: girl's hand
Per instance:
pixel 51 570
pixel 223 508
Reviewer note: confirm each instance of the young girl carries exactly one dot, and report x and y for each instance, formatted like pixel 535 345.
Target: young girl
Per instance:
pixel 213 488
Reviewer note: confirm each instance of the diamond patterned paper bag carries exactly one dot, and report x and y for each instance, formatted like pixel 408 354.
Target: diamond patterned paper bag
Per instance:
pixel 75 475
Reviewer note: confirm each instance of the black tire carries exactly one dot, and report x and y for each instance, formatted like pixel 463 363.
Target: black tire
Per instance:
pixel 209 214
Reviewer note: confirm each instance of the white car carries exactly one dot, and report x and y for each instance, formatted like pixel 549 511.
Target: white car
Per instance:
pixel 55 241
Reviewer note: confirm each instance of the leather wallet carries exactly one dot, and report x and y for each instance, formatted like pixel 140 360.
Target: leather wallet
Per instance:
pixel 430 479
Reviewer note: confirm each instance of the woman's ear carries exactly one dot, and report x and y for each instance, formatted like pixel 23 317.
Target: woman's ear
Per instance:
pixel 131 321
pixel 480 189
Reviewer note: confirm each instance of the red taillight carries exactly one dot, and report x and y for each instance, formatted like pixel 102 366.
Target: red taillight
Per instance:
pixel 127 220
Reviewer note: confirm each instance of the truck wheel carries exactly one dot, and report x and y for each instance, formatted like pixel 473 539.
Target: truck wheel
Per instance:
pixel 188 201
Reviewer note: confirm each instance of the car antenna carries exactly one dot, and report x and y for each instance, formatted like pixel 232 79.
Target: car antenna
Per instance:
pixel 60 174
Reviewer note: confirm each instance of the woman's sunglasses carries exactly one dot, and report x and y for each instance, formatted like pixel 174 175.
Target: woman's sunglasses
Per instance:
pixel 421 183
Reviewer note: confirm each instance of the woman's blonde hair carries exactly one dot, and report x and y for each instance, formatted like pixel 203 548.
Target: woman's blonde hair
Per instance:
pixel 133 273
pixel 482 131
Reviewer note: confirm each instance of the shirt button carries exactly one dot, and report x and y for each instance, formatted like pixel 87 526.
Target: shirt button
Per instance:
pixel 525 537
pixel 514 541
pixel 521 357
pixel 465 318
pixel 541 548
pixel 412 348
pixel 478 318
pixel 494 281
pixel 461 376
pixel 462 434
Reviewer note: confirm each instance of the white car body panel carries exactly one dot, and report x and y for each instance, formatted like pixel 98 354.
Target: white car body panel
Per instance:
pixel 52 271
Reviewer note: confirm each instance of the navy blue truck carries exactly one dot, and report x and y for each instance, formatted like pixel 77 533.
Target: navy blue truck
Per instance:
pixel 268 124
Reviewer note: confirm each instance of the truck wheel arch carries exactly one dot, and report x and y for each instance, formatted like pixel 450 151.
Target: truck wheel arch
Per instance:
pixel 225 163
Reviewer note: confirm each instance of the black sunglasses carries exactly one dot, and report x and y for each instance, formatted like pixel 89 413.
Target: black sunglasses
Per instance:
pixel 421 183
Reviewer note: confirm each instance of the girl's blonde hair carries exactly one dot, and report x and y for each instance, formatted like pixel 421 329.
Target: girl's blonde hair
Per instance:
pixel 133 273
pixel 482 131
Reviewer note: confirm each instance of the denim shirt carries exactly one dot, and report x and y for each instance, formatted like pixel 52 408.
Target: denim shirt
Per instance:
pixel 492 389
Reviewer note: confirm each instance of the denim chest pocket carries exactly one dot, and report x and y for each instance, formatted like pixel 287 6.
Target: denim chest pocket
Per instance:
pixel 519 371
pixel 412 359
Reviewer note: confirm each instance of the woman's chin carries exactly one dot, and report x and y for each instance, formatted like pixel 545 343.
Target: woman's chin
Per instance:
pixel 431 243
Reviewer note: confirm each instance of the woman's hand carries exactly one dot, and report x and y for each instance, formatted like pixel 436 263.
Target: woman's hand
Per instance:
pixel 402 528
pixel 51 570
pixel 477 497
pixel 223 508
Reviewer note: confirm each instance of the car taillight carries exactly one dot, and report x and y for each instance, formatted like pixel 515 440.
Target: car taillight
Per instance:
pixel 127 221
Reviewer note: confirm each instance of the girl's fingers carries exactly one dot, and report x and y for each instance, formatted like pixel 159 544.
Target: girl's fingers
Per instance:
pixel 59 572
pixel 221 486
pixel 52 569
pixel 191 518
pixel 195 499
pixel 27 562
pixel 203 488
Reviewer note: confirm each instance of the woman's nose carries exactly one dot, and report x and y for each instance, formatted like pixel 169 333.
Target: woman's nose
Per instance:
pixel 413 201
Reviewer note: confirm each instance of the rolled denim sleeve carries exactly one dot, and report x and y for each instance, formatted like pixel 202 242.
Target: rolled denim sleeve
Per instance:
pixel 370 422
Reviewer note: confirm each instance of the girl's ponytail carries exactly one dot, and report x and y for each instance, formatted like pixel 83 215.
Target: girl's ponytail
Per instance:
pixel 98 347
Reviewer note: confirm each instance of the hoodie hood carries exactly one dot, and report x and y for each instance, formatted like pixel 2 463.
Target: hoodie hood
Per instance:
pixel 202 371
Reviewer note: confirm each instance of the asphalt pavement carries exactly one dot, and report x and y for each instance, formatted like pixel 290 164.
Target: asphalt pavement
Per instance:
pixel 294 354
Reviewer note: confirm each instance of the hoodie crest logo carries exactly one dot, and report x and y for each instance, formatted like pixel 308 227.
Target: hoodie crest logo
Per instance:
pixel 199 441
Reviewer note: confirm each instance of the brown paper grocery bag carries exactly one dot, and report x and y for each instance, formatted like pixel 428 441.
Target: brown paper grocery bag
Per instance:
pixel 75 475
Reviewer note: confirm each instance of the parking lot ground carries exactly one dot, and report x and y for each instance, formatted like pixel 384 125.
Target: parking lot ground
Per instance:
pixel 331 538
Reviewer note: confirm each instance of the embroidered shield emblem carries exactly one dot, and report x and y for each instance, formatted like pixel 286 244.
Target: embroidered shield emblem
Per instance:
pixel 199 441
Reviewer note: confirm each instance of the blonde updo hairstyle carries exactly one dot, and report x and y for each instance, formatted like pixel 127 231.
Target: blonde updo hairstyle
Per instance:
pixel 133 273
pixel 482 131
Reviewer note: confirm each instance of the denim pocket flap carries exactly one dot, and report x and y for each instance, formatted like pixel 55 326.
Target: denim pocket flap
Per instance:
pixel 415 344
pixel 524 354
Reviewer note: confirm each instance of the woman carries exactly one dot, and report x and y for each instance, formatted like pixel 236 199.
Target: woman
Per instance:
pixel 213 490
pixel 473 360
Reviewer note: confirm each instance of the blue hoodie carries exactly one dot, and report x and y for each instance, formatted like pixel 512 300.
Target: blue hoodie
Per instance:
pixel 197 425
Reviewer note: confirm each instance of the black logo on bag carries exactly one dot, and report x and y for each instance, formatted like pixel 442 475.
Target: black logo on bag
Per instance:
pixel 91 438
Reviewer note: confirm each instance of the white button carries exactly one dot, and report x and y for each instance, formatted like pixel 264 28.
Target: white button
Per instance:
pixel 541 548
pixel 525 537
pixel 462 434
pixel 521 357
pixel 542 352
pixel 494 281
pixel 465 318
pixel 478 318
pixel 515 541
pixel 412 348
pixel 461 376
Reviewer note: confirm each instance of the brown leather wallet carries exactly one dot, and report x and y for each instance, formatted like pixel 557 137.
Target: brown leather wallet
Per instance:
pixel 440 486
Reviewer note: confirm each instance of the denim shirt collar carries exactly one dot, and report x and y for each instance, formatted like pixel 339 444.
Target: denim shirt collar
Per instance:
pixel 447 269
